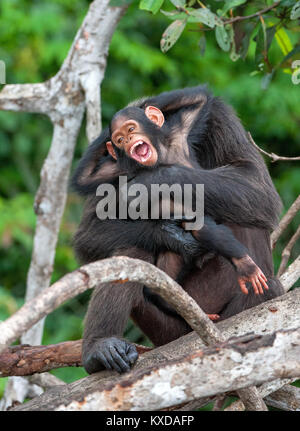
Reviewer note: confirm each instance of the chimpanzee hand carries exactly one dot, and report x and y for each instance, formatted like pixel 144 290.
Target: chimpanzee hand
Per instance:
pixel 110 353
pixel 180 240
pixel 248 271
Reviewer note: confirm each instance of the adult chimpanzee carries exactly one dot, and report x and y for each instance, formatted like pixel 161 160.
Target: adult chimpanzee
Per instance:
pixel 199 129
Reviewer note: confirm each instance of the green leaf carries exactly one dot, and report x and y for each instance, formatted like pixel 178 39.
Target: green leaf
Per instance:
pixel 172 34
pixel 234 55
pixel 290 55
pixel 222 38
pixel 174 15
pixel 249 28
pixel 295 12
pixel 231 4
pixel 283 41
pixel 261 44
pixel 151 5
pixel 206 16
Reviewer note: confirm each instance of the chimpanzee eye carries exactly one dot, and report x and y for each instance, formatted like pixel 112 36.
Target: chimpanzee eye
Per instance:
pixel 120 140
pixel 131 129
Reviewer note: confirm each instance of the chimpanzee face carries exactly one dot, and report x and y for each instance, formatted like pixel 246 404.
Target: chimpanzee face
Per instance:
pixel 137 135
pixel 129 136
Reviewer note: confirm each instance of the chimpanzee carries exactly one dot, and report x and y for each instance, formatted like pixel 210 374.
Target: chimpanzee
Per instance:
pixel 187 130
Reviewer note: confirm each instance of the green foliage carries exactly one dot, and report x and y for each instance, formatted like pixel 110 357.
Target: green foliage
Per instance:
pixel 234 24
pixel 34 39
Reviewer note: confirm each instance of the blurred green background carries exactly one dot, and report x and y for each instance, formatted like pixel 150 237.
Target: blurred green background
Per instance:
pixel 35 37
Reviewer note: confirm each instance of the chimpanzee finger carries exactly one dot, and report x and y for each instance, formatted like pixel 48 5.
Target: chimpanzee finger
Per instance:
pixel 119 361
pixel 243 286
pixel 262 275
pixel 254 285
pixel 260 289
pixel 111 360
pixel 123 351
pixel 263 280
pixel 132 353
pixel 101 358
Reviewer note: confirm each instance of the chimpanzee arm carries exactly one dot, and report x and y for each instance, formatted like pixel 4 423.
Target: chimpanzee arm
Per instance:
pixel 96 167
pixel 232 193
pixel 220 240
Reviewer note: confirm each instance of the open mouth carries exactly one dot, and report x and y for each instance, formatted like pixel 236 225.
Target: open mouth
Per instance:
pixel 141 151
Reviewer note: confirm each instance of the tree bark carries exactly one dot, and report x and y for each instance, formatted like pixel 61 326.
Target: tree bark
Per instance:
pixel 249 360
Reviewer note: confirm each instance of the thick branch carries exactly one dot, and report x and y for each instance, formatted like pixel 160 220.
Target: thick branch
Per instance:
pixel 117 269
pixel 280 312
pixel 287 398
pixel 61 98
pixel 26 97
pixel 24 360
pixel 247 361
pixel 90 275
pixel 291 275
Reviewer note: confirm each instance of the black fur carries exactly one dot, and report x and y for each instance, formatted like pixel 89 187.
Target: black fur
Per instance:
pixel 238 193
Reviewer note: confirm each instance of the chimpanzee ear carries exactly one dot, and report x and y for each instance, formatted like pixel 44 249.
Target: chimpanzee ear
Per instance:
pixel 111 150
pixel 155 115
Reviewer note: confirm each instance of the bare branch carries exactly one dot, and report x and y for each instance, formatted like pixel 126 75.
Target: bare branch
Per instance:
pixel 116 269
pixel 45 380
pixel 25 360
pixel 259 13
pixel 247 361
pixel 91 84
pixel 285 221
pixel 25 97
pixel 287 398
pixel 273 156
pixel 266 318
pixel 287 252
pixel 291 275
pixel 62 99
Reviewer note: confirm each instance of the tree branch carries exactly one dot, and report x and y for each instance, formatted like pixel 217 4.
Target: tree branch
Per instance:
pixel 259 13
pixel 287 252
pixel 273 156
pixel 291 275
pixel 280 312
pixel 285 221
pixel 62 99
pixel 25 360
pixel 116 269
pixel 247 360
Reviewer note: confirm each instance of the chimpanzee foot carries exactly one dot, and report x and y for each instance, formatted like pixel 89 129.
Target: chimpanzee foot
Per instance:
pixel 249 272
pixel 110 353
pixel 213 316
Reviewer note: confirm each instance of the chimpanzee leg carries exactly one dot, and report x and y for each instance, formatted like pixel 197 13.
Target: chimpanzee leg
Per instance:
pixel 107 316
pixel 241 302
